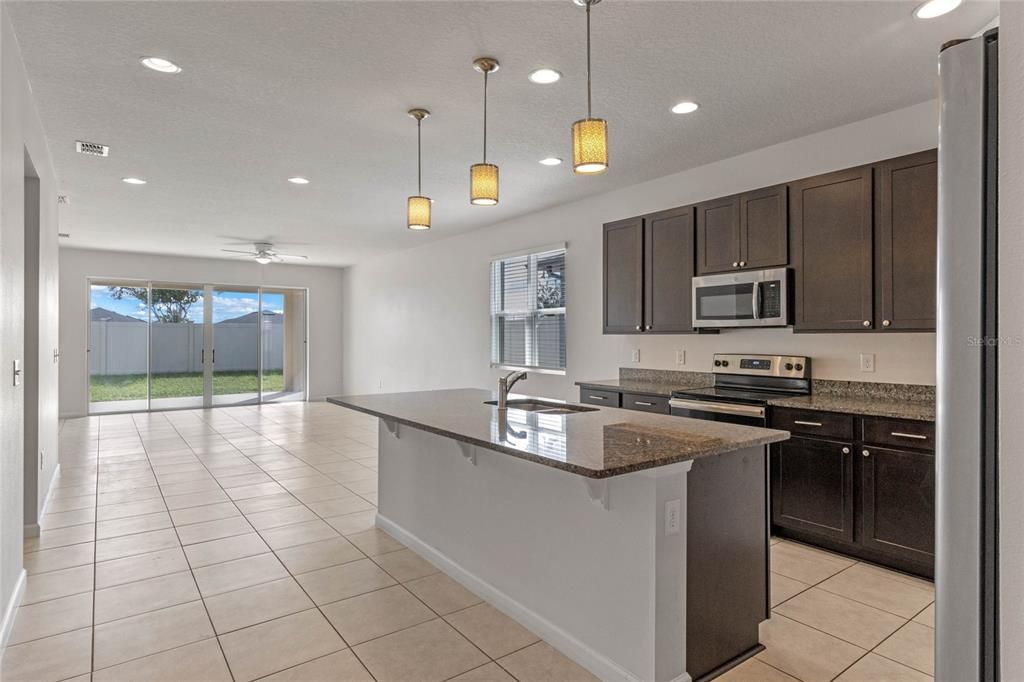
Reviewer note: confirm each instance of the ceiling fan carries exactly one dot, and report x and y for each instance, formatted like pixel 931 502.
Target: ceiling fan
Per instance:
pixel 265 253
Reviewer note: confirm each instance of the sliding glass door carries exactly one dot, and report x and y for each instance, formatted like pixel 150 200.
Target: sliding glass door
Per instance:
pixel 118 347
pixel 158 346
pixel 283 344
pixel 235 359
pixel 176 346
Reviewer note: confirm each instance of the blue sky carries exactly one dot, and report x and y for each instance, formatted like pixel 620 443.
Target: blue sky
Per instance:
pixel 226 304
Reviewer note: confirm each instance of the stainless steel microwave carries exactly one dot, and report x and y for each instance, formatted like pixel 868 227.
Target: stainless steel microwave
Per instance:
pixel 756 298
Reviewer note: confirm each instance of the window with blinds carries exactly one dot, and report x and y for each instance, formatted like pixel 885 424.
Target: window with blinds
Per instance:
pixel 528 310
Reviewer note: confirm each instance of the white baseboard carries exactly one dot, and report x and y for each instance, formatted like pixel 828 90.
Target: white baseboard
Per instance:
pixel 49 491
pixel 593 661
pixel 11 610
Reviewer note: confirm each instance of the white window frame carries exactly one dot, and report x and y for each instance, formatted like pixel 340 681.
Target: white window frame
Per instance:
pixel 531 337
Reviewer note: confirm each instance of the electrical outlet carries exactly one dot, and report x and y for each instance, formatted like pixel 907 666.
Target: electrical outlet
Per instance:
pixel 673 510
pixel 680 357
pixel 636 355
pixel 867 362
pixel 41 456
pixel 380 384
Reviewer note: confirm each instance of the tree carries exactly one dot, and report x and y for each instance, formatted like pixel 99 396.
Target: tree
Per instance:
pixel 168 305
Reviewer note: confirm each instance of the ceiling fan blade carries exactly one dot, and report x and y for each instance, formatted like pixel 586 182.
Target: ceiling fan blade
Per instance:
pixel 247 253
pixel 290 255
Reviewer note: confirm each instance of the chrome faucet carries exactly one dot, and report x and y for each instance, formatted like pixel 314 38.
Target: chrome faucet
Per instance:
pixel 505 385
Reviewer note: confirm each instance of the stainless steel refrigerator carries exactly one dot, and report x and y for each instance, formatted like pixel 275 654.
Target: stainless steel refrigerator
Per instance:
pixel 966 643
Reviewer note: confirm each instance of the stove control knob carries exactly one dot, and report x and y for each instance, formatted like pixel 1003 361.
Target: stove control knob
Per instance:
pixel 799 367
pixel 725 363
pixel 789 366
pixel 718 363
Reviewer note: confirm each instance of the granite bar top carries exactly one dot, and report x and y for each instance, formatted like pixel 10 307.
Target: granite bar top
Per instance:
pixel 897 401
pixel 597 444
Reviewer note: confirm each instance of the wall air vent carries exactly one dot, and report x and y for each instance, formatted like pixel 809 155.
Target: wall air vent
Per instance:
pixel 91 148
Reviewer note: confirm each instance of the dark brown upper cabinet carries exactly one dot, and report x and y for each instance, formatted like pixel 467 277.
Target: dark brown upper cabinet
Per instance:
pixel 648 272
pixel 718 235
pixel 743 232
pixel 624 276
pixel 906 208
pixel 668 271
pixel 831 220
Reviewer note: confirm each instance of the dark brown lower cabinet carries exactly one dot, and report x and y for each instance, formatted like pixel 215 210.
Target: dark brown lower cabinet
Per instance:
pixel 812 487
pixel 874 502
pixel 898 500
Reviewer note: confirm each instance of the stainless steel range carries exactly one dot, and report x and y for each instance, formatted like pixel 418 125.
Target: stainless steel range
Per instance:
pixel 743 386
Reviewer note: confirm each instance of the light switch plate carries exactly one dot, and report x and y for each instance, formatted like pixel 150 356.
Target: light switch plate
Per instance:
pixel 867 362
pixel 636 355
pixel 681 357
pixel 17 372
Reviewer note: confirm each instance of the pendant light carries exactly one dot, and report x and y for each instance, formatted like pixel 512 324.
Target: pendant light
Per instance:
pixel 589 135
pixel 419 205
pixel 483 177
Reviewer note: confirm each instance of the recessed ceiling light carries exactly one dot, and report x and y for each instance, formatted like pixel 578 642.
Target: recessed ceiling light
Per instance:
pixel 936 8
pixel 551 161
pixel 544 76
pixel 685 108
pixel 298 180
pixel 134 181
pixel 160 64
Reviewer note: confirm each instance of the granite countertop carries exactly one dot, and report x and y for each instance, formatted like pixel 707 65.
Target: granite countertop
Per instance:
pixel 651 381
pixel 921 410
pixel 632 386
pixel 598 444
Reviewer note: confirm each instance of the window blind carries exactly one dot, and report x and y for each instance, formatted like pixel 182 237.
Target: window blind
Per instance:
pixel 528 310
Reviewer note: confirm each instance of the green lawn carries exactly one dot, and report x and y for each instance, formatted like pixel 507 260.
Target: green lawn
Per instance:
pixel 133 386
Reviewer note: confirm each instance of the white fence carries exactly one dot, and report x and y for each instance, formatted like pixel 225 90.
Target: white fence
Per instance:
pixel 120 347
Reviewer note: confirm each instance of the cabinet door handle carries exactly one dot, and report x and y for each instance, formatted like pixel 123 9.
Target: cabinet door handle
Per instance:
pixel 641 402
pixel 743 263
pixel 866 323
pixel 597 397
pixel 639 327
pixel 647 328
pixel 865 453
pixel 803 423
pixel 915 436
pixel 846 451
pixel 886 323
pixel 735 264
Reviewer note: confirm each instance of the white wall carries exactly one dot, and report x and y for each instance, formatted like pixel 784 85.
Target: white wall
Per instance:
pixel 22 482
pixel 78 265
pixel 419 318
pixel 1011 326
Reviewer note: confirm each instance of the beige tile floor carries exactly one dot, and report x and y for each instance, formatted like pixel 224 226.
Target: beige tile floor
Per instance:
pixel 238 544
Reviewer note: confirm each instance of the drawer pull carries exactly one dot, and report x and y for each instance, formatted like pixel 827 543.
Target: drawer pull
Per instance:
pixel 597 397
pixel 846 451
pixel 803 423
pixel 641 402
pixel 915 436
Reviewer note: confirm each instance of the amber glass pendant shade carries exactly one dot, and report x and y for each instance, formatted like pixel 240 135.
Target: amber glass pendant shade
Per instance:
pixel 590 146
pixel 419 213
pixel 483 184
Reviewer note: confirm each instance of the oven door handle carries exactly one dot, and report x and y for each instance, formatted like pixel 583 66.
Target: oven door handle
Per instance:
pixel 719 408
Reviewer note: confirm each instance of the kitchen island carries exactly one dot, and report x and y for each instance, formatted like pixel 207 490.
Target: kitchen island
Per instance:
pixel 634 543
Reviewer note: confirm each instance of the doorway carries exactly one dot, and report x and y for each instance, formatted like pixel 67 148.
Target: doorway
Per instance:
pixel 162 346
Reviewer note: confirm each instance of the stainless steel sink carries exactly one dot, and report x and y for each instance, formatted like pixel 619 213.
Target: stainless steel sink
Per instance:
pixel 543 406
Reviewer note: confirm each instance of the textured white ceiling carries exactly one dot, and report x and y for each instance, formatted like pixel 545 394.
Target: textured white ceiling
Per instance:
pixel 271 90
